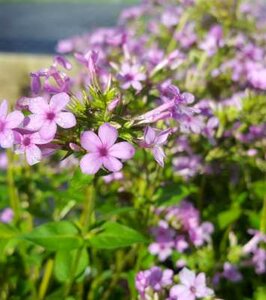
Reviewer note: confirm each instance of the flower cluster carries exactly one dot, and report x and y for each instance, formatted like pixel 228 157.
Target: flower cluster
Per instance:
pixel 179 229
pixel 156 283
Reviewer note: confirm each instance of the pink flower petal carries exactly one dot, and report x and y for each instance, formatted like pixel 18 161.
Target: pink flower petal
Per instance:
pixel 59 101
pixel 3 109
pixel 6 138
pixel 90 141
pixel 159 155
pixel 177 290
pixel 90 163
pixel 33 155
pixel 112 164
pixel 34 122
pixel 14 119
pixel 48 130
pixel 38 105
pixel 187 277
pixel 162 137
pixel 66 120
pixel 149 135
pixel 122 150
pixel 108 134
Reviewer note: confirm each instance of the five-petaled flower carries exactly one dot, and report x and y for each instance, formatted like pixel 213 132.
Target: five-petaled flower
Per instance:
pixel 47 115
pixel 7 123
pixel 103 152
pixel 154 139
pixel 191 287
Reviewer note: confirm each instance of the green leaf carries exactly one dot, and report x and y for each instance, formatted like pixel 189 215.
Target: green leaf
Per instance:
pixel 115 235
pixel 55 236
pixel 227 217
pixel 173 194
pixel 65 260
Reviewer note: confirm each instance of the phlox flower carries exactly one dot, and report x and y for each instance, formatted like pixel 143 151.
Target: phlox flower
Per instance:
pixel 47 115
pixel 154 139
pixel 8 121
pixel 103 152
pixel 7 215
pixel 131 76
pixel 29 145
pixel 191 286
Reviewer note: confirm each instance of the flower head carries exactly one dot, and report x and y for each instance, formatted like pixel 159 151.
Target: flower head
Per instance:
pixel 7 123
pixel 191 287
pixel 130 76
pixel 28 144
pixel 48 115
pixel 7 215
pixel 154 140
pixel 103 152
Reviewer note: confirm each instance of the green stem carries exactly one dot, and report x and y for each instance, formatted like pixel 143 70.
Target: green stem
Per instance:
pixel 46 278
pixel 12 192
pixel 263 217
pixel 86 219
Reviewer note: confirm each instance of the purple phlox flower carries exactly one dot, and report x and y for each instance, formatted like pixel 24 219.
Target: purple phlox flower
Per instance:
pixel 259 260
pixel 254 242
pixel 60 60
pixel 190 123
pixel 187 36
pixel 213 40
pixel 181 263
pixel 153 280
pixel 131 76
pixel 29 143
pixel 114 103
pixel 187 166
pixel 152 57
pixel 164 241
pixel 8 122
pixel 103 151
pixel 201 233
pixel 132 13
pixel 191 286
pixel 170 16
pixel 182 145
pixel 7 215
pixel 113 177
pixel 155 139
pixel 46 116
pixel 205 107
pixel 258 255
pixel 257 78
pixel 55 81
pixel 181 244
pixel 231 272
pixel 211 126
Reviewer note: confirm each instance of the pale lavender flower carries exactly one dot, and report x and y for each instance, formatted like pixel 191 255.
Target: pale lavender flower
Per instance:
pixel 191 286
pixel 231 272
pixel 55 81
pixel 48 115
pixel 153 280
pixel 187 166
pixel 155 139
pixel 8 122
pixel 29 144
pixel 259 260
pixel 103 152
pixel 213 40
pixel 7 215
pixel 131 76
pixel 170 17
pixel 113 177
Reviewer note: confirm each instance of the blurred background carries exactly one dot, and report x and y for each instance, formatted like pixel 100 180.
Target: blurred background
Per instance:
pixel 30 29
